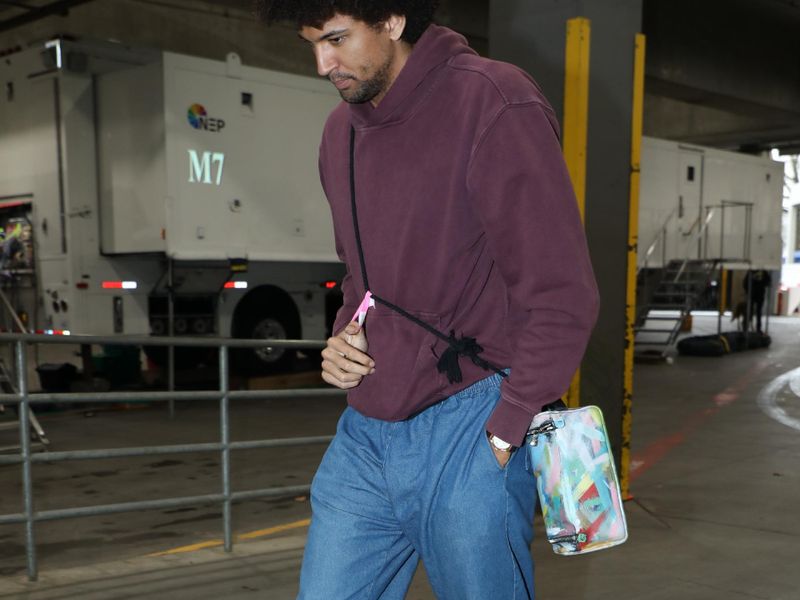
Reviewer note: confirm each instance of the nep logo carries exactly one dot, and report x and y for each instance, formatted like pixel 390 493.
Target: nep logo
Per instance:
pixel 199 119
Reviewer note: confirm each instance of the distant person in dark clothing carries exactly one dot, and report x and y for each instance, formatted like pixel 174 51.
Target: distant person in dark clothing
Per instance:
pixel 756 283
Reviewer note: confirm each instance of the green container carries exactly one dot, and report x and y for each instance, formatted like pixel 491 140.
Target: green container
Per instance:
pixel 118 364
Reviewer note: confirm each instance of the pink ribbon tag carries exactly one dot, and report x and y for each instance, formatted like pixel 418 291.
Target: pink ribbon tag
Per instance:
pixel 366 304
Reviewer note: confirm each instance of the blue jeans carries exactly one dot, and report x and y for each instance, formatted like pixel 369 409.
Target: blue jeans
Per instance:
pixel 389 494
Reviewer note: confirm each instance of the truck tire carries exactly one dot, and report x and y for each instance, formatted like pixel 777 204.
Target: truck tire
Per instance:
pixel 269 315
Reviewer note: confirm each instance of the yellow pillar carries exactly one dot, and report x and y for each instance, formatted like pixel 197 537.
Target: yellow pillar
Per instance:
pixel 576 122
pixel 633 238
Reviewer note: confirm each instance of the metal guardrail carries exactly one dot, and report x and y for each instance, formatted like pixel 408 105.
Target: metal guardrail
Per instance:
pixel 660 239
pixel 224 395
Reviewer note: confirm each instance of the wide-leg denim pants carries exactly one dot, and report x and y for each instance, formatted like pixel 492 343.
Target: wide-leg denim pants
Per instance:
pixel 388 494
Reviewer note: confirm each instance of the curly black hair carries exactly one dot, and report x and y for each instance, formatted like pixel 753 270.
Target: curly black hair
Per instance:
pixel 418 13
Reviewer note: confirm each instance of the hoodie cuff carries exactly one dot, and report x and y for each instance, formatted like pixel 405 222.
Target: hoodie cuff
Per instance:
pixel 510 423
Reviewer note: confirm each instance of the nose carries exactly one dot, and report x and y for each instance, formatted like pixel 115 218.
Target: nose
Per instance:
pixel 326 60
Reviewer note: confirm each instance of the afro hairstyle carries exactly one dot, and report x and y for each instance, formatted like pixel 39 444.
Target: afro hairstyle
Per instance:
pixel 314 13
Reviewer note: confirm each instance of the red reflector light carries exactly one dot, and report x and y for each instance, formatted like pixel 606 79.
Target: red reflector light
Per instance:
pixel 53 331
pixel 329 285
pixel 120 285
pixel 82 285
pixel 235 285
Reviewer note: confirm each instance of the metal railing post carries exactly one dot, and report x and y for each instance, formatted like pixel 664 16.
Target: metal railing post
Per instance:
pixel 749 313
pixel 225 440
pixel 25 448
pixel 170 333
pixel 749 231
pixel 722 233
pixel 769 309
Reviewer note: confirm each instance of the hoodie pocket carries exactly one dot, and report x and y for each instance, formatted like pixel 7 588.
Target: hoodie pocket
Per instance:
pixel 405 356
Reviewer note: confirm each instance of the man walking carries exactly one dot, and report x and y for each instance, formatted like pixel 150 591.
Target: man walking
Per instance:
pixel 452 207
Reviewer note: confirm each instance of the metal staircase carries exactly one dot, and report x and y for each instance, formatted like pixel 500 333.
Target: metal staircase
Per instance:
pixel 9 419
pixel 660 318
pixel 9 416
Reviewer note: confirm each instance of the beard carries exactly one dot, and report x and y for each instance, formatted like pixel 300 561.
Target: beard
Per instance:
pixel 366 89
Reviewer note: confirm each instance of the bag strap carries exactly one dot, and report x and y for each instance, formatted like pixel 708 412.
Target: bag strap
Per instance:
pixel 463 346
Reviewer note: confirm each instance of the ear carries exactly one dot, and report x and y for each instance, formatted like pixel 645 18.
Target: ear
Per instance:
pixel 395 25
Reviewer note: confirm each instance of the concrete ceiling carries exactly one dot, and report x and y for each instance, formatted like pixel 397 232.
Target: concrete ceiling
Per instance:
pixel 724 72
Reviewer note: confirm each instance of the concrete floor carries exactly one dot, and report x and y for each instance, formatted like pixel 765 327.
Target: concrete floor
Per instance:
pixel 715 480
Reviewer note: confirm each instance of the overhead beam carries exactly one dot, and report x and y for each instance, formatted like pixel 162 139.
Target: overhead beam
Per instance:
pixel 20 5
pixel 723 52
pixel 61 7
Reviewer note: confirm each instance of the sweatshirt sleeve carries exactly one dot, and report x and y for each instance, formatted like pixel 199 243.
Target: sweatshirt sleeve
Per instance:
pixel 519 184
pixel 350 301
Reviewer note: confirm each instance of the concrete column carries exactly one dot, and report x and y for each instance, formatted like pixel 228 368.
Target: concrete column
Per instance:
pixel 532 35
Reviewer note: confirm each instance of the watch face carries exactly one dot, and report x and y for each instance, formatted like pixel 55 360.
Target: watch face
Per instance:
pixel 499 444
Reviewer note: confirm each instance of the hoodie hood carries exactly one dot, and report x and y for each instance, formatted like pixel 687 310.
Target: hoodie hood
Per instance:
pixel 436 46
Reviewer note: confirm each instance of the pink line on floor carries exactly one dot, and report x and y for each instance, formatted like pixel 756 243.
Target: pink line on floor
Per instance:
pixel 657 450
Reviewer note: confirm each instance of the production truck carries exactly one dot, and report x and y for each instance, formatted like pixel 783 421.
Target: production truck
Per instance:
pixel 140 189
pixel 708 218
pixel 704 203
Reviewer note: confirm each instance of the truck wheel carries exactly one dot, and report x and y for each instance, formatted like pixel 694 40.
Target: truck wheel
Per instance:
pixel 252 361
pixel 270 328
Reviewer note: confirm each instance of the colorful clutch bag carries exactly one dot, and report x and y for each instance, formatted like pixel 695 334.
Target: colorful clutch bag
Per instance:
pixel 577 481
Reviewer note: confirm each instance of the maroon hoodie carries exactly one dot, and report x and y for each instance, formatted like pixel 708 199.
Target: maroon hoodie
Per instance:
pixel 469 222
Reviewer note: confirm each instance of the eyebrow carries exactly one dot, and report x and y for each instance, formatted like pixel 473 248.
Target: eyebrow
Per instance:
pixel 332 34
pixel 326 36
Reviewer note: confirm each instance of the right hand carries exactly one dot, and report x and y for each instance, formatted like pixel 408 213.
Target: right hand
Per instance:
pixel 344 360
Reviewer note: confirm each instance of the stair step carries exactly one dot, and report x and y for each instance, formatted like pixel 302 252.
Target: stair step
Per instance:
pixel 658 318
pixel 9 425
pixel 35 445
pixel 679 307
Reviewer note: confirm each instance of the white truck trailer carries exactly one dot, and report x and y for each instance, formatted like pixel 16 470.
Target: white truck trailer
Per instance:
pixel 140 180
pixel 704 203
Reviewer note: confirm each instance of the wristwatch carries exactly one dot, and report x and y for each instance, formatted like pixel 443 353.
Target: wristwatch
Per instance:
pixel 499 444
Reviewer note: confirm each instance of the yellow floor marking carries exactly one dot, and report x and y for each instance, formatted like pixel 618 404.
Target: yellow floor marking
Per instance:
pixel 245 536
pixel 276 529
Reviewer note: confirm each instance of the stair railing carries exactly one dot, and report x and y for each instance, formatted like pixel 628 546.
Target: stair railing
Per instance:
pixel 697 237
pixel 660 238
pixel 748 227
pixel 12 313
pixel 9 375
pixel 9 314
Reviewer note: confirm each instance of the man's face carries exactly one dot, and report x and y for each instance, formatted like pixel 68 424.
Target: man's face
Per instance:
pixel 356 57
